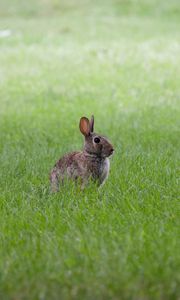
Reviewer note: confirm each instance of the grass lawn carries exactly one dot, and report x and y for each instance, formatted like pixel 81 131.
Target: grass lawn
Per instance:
pixel 59 61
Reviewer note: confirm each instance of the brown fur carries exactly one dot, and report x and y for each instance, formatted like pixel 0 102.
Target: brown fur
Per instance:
pixel 91 163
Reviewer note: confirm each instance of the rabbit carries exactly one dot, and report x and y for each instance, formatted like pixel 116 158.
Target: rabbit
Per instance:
pixel 92 163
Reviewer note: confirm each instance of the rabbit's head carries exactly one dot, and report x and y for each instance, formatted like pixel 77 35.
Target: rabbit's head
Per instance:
pixel 95 144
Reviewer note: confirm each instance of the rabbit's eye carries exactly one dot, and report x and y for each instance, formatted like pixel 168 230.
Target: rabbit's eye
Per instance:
pixel 97 140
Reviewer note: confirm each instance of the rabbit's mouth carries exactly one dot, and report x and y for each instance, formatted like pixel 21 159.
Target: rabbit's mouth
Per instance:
pixel 111 152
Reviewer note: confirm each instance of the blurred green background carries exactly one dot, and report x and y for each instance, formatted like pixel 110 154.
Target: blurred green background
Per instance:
pixel 60 60
pixel 117 7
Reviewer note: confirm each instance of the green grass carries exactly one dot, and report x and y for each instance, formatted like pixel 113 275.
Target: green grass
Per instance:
pixel 119 60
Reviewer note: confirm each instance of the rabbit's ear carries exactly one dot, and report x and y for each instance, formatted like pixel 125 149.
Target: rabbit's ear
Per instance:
pixel 91 124
pixel 84 126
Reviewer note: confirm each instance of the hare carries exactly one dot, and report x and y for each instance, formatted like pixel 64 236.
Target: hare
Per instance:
pixel 92 163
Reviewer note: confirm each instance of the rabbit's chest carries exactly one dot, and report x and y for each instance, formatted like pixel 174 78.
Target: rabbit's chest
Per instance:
pixel 100 170
pixel 104 170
